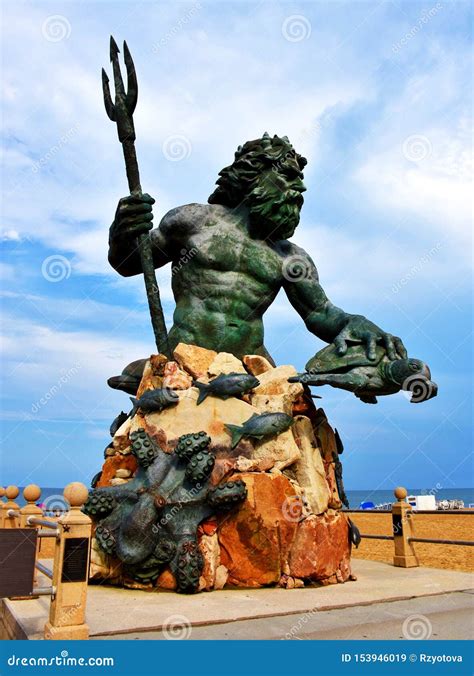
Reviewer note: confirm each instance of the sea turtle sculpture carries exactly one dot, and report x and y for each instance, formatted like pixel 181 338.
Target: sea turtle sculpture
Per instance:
pixel 367 378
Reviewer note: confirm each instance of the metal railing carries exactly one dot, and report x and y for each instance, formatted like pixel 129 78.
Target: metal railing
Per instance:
pixel 70 572
pixel 403 534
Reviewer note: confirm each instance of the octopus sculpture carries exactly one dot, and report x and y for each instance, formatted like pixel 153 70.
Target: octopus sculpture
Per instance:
pixel 152 520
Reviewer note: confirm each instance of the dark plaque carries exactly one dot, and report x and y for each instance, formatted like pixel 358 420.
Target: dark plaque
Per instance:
pixel 397 524
pixel 17 561
pixel 76 557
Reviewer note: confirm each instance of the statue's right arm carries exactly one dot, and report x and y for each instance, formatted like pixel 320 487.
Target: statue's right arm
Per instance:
pixel 134 217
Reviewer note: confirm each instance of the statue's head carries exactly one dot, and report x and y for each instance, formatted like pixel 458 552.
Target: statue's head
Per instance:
pixel 267 177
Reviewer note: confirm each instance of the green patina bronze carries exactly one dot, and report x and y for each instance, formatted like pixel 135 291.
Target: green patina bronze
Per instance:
pixel 231 257
pixel 152 521
pixel 369 378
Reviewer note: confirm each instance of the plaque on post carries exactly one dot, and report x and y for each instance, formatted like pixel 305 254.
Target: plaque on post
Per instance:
pixel 17 561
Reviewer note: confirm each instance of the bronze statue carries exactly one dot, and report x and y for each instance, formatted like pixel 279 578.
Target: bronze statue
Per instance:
pixel 366 378
pixel 242 257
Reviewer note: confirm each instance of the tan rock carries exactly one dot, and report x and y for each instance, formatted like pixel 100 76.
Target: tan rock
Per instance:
pixel 210 416
pixel 275 381
pixel 121 438
pixel 279 451
pixel 175 378
pixel 193 359
pixel 123 473
pixel 116 481
pixel 209 547
pixel 321 548
pixel 326 437
pixel 152 374
pixel 224 362
pixel 330 471
pixel 256 364
pixel 309 469
pixel 102 566
pixel 222 575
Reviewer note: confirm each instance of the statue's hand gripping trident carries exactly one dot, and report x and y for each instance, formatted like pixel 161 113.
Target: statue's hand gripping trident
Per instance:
pixel 121 112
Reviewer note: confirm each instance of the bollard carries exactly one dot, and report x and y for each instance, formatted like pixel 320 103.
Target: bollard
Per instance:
pixel 71 567
pixel 31 494
pixel 11 492
pixel 402 521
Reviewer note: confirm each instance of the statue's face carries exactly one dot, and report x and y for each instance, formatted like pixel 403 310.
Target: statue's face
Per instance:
pixel 275 201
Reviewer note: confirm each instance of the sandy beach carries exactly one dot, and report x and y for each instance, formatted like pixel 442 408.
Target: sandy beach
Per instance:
pixel 437 525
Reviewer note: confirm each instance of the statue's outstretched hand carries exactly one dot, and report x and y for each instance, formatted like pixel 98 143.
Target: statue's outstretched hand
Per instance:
pixel 133 217
pixel 360 330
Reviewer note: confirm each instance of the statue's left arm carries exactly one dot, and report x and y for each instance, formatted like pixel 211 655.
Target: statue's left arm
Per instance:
pixel 325 320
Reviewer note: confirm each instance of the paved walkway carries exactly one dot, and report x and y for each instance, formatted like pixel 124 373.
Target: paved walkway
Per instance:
pixel 375 606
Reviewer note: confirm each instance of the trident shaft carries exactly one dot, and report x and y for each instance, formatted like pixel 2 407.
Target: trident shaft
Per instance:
pixel 121 112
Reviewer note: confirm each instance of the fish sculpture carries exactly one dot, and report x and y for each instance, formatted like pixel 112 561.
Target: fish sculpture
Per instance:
pixel 226 385
pixel 260 426
pixel 118 422
pixel 154 400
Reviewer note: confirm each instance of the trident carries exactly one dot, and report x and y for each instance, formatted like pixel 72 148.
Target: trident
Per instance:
pixel 122 113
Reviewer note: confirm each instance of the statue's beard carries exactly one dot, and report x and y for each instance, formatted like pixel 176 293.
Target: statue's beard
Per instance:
pixel 274 213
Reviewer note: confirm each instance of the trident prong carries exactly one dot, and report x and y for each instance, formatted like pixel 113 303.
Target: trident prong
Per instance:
pixel 109 106
pixel 122 110
pixel 132 84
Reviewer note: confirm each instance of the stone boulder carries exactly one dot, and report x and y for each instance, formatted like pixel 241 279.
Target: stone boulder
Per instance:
pixel 289 530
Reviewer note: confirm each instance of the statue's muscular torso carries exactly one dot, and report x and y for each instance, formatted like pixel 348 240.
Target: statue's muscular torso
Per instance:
pixel 223 280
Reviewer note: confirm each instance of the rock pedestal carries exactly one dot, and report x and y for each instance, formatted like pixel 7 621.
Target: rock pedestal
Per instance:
pixel 287 529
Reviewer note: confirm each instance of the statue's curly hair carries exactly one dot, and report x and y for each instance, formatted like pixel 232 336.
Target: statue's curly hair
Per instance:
pixel 236 181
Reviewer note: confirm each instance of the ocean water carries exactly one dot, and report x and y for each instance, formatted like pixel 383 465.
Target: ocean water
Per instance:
pixel 379 497
pixel 52 497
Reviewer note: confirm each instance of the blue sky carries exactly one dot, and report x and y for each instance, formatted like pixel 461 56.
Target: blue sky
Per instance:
pixel 375 94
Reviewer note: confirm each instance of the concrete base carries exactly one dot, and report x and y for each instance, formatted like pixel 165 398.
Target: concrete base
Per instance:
pixel 121 613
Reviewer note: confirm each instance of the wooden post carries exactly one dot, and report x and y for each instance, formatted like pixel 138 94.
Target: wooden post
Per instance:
pixel 402 520
pixel 71 568
pixel 11 493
